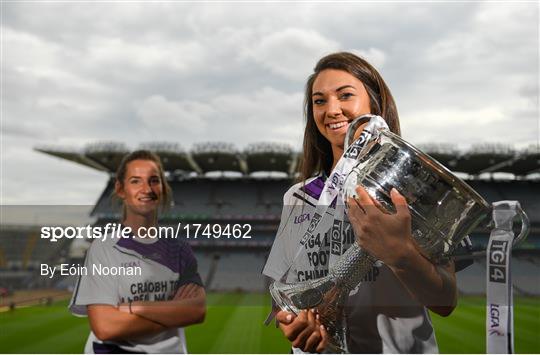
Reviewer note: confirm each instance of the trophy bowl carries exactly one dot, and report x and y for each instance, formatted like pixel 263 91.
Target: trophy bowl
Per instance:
pixel 443 208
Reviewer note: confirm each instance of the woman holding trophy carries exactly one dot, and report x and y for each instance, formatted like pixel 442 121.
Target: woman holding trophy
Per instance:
pixel 387 311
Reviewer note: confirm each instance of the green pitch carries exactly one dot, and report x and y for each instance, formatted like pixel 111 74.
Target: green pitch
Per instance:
pixel 234 324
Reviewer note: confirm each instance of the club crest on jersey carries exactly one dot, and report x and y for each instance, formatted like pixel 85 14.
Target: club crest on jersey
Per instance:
pixel 131 264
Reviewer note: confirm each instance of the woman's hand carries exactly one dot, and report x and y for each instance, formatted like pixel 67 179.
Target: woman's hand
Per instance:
pixel 110 323
pixel 388 237
pixel 186 308
pixel 304 331
pixel 385 236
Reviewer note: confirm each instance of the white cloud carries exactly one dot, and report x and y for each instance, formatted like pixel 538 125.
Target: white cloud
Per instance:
pixel 150 53
pixel 188 117
pixel 374 56
pixel 291 52
pixel 236 118
pixel 260 116
pixel 464 127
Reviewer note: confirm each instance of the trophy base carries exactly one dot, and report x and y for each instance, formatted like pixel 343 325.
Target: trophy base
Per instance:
pixel 334 349
pixel 282 301
pixel 310 298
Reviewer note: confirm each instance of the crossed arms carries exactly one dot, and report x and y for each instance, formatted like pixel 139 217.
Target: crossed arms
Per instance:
pixel 146 318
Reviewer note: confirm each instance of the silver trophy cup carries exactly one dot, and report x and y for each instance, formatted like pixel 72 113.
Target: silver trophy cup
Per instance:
pixel 444 209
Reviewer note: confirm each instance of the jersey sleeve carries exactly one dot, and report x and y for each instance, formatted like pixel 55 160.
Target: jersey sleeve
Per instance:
pixel 94 288
pixel 280 258
pixel 188 266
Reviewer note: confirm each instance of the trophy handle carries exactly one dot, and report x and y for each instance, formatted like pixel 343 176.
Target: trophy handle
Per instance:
pixel 525 226
pixel 353 126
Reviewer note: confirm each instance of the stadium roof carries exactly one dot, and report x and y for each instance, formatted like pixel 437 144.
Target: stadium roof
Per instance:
pixel 107 154
pixel 483 158
pixel 218 156
pixel 71 155
pixel 270 157
pixel 173 156
pixel 274 157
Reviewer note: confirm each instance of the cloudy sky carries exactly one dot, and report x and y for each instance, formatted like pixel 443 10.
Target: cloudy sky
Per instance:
pixel 186 72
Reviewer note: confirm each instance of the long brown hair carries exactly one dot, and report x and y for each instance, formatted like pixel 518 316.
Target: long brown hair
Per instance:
pixel 143 155
pixel 317 155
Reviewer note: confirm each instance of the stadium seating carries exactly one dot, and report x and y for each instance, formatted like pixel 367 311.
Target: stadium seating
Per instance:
pixel 472 280
pixel 525 277
pixel 25 250
pixel 238 271
pixel 3 261
pixel 229 264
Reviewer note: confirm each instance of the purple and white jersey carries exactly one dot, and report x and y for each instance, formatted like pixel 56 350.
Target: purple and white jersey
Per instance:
pixel 163 264
pixel 382 317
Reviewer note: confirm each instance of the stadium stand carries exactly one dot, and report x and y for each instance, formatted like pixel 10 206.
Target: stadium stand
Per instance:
pixel 24 252
pixel 526 274
pixel 482 158
pixel 472 280
pixel 446 154
pixel 173 157
pixel 206 192
pixel 218 156
pixel 239 271
pixel 270 157
pixel 3 261
pixel 107 154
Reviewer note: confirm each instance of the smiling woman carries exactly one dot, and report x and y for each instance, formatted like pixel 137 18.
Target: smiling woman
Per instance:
pixel 387 311
pixel 125 314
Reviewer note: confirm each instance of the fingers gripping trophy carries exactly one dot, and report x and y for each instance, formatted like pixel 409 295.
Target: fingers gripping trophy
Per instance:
pixel 443 210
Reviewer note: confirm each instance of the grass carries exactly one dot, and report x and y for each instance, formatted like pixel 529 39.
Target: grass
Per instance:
pixel 464 330
pixel 234 324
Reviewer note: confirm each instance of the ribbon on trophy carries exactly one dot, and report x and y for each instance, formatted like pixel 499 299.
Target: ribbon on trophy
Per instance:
pixel 499 303
pixel 330 196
